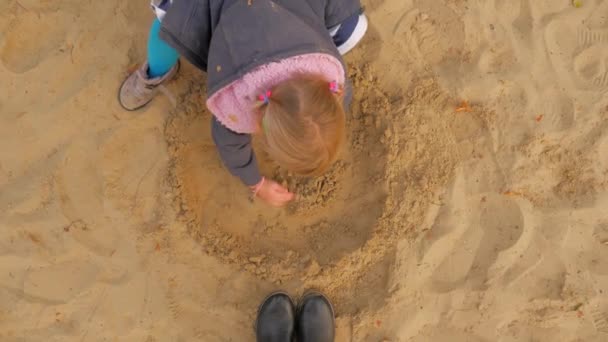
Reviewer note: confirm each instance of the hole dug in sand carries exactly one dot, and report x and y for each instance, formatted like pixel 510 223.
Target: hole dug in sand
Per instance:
pixel 341 233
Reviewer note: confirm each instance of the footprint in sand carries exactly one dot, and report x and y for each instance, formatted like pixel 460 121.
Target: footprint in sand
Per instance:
pixel 32 38
pixel 509 9
pixel 556 114
pixel 546 8
pixel 591 65
pixel 495 224
pixel 536 273
pixel 79 187
pixel 506 27
pixel 598 314
pixel 603 154
pixel 587 243
pixel 579 49
pixel 372 5
pixel 187 296
pixel 132 161
pixel 520 330
pixel 518 15
pixel 60 282
pixel 600 233
pixel 432 31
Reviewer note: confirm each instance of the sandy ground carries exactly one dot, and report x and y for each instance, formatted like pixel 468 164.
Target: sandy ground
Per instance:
pixel 444 221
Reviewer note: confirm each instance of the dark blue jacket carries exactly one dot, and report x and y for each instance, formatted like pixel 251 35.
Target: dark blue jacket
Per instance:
pixel 229 38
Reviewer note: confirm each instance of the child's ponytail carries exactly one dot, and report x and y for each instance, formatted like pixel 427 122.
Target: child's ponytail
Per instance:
pixel 303 123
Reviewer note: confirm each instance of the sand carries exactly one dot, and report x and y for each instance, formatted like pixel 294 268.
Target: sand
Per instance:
pixel 469 205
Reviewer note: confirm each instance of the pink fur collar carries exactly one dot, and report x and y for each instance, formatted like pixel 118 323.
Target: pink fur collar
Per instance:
pixel 234 104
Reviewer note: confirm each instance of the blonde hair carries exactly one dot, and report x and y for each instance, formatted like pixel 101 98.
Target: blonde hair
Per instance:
pixel 303 121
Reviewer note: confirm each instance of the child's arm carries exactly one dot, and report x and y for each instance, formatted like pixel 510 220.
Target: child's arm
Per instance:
pixel 236 153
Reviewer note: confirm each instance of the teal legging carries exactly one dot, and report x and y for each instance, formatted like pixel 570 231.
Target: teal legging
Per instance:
pixel 161 57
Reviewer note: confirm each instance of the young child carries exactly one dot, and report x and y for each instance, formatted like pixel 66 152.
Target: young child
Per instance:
pixel 273 67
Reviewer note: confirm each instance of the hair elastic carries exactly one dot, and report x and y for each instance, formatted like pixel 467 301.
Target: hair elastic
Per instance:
pixel 265 98
pixel 334 87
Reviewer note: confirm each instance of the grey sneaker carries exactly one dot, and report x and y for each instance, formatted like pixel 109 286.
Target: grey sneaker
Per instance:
pixel 138 89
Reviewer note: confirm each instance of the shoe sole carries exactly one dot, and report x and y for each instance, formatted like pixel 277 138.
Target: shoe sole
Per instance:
pixel 145 104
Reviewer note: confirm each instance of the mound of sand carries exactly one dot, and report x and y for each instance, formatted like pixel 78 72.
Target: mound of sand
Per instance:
pixel 443 220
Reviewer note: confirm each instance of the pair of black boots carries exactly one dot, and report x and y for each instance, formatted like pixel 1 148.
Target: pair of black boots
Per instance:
pixel 279 320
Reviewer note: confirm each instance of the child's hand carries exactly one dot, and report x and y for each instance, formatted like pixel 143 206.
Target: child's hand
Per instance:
pixel 272 193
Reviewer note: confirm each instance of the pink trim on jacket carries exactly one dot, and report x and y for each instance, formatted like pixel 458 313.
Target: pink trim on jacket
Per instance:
pixel 234 104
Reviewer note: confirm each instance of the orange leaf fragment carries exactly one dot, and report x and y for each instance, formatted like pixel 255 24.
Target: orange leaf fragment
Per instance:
pixel 540 117
pixel 464 107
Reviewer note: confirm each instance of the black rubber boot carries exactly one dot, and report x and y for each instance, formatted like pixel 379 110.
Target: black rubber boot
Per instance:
pixel 315 321
pixel 276 319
